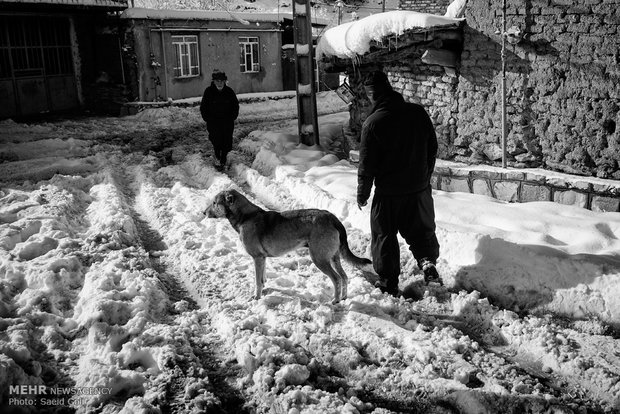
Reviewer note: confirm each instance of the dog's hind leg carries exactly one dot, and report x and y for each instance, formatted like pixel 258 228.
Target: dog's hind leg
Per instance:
pixel 325 266
pixel 337 266
pixel 259 267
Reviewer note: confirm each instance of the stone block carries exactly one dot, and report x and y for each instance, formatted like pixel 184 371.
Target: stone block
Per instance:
pixel 481 186
pixel 557 181
pixel 581 185
pixel 436 182
pixel 455 185
pixel 442 170
pixel 513 175
pixel 460 172
pixel 493 175
pixel 572 198
pixel 532 192
pixel 506 191
pixel 535 178
pixel 605 204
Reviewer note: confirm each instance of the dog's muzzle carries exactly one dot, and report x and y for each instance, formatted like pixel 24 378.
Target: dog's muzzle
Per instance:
pixel 209 212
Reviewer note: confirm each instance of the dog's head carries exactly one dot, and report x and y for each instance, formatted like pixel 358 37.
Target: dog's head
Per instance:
pixel 223 203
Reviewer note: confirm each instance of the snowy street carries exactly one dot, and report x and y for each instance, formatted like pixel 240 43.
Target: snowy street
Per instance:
pixel 112 279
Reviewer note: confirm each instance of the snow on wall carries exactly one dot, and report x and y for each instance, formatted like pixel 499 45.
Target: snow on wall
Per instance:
pixel 143 13
pixel 353 38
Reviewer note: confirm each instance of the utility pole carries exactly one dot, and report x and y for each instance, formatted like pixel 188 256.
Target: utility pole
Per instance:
pixel 503 54
pixel 304 73
pixel 340 5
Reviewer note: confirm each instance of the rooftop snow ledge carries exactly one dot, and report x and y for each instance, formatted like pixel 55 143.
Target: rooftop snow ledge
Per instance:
pixel 354 38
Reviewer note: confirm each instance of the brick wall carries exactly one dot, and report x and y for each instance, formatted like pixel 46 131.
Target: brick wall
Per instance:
pixel 563 86
pixel 425 6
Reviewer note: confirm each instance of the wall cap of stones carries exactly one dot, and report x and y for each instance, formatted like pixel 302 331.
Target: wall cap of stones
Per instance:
pixel 528 184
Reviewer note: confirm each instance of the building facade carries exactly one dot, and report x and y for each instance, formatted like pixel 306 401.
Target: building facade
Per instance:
pixel 172 54
pixel 54 53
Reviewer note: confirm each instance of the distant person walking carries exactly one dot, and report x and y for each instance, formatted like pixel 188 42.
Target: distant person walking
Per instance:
pixel 219 109
pixel 397 153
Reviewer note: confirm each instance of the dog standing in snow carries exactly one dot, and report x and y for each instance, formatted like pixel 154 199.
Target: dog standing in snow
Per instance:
pixel 270 233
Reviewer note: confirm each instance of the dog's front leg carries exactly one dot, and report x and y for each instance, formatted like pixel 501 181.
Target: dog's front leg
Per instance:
pixel 259 267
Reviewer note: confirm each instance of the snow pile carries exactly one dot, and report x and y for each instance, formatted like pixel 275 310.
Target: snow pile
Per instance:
pixel 116 281
pixel 353 38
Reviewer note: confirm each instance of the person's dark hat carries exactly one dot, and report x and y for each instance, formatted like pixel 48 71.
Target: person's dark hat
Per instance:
pixel 218 75
pixel 376 79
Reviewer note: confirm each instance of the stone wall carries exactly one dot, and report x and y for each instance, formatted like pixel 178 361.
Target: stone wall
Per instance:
pixel 426 6
pixel 525 185
pixel 563 86
pixel 428 85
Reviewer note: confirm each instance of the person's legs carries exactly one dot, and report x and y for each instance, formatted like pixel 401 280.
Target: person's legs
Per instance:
pixel 222 157
pixel 417 226
pixel 384 243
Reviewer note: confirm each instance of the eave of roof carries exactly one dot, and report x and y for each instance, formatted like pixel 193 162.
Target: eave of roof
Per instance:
pixel 108 4
pixel 220 15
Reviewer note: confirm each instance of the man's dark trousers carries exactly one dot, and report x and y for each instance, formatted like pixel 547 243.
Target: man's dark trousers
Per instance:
pixel 413 215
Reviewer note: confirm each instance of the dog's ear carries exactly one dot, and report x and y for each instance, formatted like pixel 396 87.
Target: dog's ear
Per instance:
pixel 229 197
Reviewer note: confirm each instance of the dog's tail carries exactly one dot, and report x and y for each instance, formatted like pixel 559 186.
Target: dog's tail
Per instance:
pixel 345 251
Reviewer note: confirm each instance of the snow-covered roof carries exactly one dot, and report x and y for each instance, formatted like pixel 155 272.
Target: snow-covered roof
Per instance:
pixel 221 15
pixel 354 38
pixel 80 3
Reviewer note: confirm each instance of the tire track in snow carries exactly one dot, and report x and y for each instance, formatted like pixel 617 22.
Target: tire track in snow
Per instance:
pixel 41 276
pixel 204 348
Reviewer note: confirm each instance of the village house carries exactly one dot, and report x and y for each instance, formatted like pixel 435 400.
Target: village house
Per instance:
pixel 172 53
pixel 54 54
pixel 562 93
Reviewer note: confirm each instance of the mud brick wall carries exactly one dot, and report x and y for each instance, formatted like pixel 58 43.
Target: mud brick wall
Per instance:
pixel 425 6
pixel 563 86
pixel 428 85
pixel 435 90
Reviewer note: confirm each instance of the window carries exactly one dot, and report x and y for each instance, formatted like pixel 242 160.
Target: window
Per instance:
pixel 186 62
pixel 249 54
pixel 35 46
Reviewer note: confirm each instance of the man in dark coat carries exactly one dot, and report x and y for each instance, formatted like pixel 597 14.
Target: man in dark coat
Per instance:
pixel 219 109
pixel 397 153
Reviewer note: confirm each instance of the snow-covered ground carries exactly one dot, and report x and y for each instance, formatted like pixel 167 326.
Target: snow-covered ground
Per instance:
pixel 115 287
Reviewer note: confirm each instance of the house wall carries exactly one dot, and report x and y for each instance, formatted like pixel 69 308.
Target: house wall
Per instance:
pixel 563 86
pixel 153 53
pixel 427 6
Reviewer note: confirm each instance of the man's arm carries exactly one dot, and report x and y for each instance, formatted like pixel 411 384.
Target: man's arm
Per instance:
pixel 204 107
pixel 432 148
pixel 235 109
pixel 432 145
pixel 367 169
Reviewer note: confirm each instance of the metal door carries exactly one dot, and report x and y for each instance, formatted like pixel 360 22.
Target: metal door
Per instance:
pixel 36 65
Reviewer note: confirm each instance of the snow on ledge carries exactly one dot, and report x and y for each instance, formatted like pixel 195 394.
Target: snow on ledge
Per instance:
pixel 353 38
pixel 220 15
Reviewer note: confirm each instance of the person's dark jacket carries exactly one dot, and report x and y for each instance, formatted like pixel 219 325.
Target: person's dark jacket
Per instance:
pixel 398 149
pixel 219 109
pixel 219 105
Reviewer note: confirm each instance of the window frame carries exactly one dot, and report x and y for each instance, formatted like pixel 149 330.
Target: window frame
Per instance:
pixel 249 46
pixel 186 50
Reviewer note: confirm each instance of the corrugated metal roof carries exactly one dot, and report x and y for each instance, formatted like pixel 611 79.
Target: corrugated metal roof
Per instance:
pixel 117 4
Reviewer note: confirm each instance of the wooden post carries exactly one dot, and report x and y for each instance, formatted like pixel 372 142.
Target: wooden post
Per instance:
pixel 503 55
pixel 304 73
